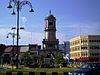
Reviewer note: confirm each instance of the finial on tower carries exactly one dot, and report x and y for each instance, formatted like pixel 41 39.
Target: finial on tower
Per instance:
pixel 50 12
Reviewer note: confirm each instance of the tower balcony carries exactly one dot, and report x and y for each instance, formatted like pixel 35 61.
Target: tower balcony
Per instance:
pixel 45 41
pixel 50 29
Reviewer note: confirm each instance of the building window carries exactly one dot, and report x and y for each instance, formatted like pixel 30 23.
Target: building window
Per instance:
pixel 94 47
pixel 94 40
pixel 94 54
pixel 83 40
pixel 83 47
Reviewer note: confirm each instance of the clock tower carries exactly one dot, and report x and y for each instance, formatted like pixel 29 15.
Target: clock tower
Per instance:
pixel 50 43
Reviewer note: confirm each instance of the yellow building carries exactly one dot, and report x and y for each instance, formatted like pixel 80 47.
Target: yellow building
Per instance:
pixel 85 48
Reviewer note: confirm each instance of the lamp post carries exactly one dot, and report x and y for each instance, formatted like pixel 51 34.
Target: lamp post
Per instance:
pixel 13 34
pixel 18 5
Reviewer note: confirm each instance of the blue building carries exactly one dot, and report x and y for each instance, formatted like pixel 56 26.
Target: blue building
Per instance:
pixel 65 50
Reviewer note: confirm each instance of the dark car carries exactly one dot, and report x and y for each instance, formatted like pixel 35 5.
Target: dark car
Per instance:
pixel 3 68
pixel 91 68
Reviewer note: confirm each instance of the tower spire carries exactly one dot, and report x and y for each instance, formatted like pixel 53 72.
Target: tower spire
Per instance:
pixel 50 12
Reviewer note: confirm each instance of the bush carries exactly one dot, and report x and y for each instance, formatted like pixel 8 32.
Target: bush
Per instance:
pixel 34 65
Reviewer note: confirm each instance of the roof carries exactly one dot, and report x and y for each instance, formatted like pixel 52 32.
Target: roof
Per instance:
pixel 24 49
pixel 50 16
pixel 9 49
pixel 85 36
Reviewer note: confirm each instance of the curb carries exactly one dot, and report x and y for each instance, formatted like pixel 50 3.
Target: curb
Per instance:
pixel 33 73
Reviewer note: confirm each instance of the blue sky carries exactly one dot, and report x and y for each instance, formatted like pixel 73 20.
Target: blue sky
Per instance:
pixel 74 17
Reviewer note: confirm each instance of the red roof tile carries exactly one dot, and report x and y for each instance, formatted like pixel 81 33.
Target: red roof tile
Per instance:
pixel 8 50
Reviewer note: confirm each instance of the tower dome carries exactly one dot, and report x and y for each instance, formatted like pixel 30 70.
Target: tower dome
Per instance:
pixel 50 16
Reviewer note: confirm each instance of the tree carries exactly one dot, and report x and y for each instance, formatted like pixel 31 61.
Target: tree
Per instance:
pixel 58 60
pixel 28 59
pixel 2 48
pixel 41 59
pixel 25 58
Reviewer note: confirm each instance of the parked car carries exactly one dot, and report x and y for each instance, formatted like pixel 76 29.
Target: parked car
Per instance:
pixel 2 68
pixel 91 68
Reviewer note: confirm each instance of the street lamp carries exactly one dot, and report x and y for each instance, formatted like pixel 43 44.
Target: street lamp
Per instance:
pixel 18 5
pixel 13 34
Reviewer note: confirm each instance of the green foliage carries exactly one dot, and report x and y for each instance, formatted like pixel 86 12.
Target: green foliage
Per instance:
pixel 27 58
pixel 2 47
pixel 58 60
pixel 40 70
pixel 41 58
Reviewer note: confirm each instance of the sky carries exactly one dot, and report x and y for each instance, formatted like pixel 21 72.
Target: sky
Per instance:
pixel 73 18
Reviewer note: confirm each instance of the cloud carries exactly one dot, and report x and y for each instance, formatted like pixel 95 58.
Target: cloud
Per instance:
pixel 64 33
pixel 80 25
pixel 3 34
pixel 31 38
pixel 70 31
pixel 26 37
pixel 61 37
pixel 23 20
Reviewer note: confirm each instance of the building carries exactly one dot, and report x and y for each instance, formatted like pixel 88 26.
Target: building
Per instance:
pixel 11 51
pixel 50 43
pixel 65 50
pixel 65 47
pixel 85 48
pixel 34 49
